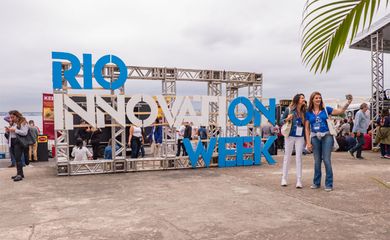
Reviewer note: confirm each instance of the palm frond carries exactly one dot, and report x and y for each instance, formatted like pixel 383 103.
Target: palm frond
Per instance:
pixel 327 26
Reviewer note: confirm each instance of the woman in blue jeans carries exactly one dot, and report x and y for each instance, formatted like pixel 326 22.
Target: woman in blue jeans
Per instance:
pixel 321 141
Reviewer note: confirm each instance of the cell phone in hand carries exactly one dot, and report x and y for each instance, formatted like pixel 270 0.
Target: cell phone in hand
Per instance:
pixel 348 96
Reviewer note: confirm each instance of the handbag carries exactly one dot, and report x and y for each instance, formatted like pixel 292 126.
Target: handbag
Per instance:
pixel 25 141
pixel 286 128
pixel 331 127
pixel 332 131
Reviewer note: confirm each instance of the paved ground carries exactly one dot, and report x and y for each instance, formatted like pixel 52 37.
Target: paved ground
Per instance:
pixel 235 203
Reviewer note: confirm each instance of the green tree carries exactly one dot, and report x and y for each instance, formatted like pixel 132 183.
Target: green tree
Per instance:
pixel 327 26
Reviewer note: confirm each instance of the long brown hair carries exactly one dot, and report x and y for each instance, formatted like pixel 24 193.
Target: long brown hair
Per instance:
pixel 20 119
pixel 295 102
pixel 311 104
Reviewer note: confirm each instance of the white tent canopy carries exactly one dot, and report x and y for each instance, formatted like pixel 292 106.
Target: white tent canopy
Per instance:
pixel 362 40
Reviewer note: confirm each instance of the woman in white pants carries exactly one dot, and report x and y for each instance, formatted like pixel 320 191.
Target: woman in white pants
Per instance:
pixel 295 114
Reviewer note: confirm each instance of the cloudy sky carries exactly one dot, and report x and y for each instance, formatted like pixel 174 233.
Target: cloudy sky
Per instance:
pixel 248 35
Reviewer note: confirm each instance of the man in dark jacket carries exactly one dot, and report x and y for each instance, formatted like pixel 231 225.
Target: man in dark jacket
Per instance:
pixel 187 134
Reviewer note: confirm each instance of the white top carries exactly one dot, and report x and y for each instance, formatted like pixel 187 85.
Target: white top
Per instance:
pixel 81 154
pixel 180 132
pixel 23 131
pixel 137 132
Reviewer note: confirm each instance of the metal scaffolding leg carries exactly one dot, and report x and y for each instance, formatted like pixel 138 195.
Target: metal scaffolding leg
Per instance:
pixel 231 93
pixel 213 89
pixel 255 90
pixel 169 92
pixel 61 141
pixel 118 133
pixel 377 76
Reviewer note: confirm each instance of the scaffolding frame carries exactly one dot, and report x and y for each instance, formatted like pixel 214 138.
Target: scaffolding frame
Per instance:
pixel 377 78
pixel 215 80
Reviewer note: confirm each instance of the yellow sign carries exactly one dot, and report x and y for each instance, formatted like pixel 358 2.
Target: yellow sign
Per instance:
pixel 42 139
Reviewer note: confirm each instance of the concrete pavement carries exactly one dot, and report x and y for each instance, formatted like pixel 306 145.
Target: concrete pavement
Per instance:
pixel 232 203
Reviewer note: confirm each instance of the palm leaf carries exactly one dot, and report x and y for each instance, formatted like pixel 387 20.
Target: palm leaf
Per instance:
pixel 327 26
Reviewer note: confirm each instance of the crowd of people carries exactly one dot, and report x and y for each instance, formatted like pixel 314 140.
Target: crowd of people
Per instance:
pixel 305 127
pixel 310 128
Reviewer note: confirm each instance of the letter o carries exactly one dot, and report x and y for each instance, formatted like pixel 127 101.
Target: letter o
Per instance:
pixel 232 116
pixel 130 110
pixel 97 71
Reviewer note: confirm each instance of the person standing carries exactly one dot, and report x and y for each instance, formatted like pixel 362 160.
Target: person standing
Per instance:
pixel 18 130
pixel 187 135
pixel 266 130
pixel 350 121
pixel 141 147
pixel 295 114
pixel 319 138
pixel 359 129
pixel 32 149
pixel 202 134
pixel 135 140
pixel 157 137
pixel 382 133
pixel 83 132
pixel 94 140
pixel 180 135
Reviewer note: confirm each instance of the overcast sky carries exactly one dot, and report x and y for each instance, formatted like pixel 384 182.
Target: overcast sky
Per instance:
pixel 247 35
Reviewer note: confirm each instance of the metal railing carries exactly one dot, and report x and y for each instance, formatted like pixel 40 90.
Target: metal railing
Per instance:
pixel 3 144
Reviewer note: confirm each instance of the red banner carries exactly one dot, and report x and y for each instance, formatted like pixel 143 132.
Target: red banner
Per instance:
pixel 48 115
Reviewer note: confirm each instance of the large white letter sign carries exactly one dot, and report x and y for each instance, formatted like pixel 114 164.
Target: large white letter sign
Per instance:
pixel 170 114
pixel 187 113
pixel 88 115
pixel 153 110
pixel 58 112
pixel 118 115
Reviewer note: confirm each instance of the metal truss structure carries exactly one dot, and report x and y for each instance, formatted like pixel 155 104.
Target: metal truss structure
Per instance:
pixel 377 76
pixel 215 80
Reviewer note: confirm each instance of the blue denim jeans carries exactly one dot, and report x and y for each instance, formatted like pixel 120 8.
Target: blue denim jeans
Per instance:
pixel 322 149
pixel 359 145
pixel 13 161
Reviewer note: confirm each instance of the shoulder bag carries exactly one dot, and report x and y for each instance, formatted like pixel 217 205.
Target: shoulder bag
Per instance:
pixel 25 141
pixel 332 131
pixel 286 128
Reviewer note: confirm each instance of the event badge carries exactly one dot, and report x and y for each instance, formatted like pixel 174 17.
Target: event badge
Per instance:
pixel 299 131
pixel 317 124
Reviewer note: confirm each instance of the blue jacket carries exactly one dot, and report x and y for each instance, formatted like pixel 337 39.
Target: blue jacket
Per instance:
pixel 294 120
pixel 157 134
pixel 108 151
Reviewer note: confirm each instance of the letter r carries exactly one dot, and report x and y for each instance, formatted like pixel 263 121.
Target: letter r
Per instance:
pixel 70 74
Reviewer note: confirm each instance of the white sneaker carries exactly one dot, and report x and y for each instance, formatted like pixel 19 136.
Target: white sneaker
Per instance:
pixel 284 183
pixel 299 185
pixel 328 189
